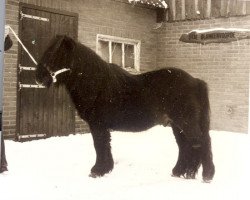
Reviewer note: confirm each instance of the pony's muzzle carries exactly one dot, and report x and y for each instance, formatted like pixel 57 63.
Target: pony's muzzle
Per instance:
pixel 43 78
pixel 46 81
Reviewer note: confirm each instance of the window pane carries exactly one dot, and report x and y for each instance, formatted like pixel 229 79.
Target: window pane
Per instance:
pixel 129 56
pixel 117 53
pixel 104 50
pixel 120 51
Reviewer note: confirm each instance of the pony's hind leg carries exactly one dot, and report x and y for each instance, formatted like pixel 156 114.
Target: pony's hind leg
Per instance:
pixel 104 160
pixel 207 160
pixel 180 166
pixel 189 158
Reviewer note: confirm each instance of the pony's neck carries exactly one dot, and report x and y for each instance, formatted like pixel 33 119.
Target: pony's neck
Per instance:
pixel 88 62
pixel 87 78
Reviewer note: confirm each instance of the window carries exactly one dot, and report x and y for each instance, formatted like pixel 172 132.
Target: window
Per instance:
pixel 121 51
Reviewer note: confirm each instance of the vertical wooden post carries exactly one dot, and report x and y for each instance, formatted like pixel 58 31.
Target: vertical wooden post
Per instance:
pixel 190 8
pixel 180 9
pixel 228 7
pixel 201 7
pixel 233 7
pixel 208 9
pixel 196 6
pixel 174 9
pixel 215 8
pixel 244 8
pixel 183 10
pixel 171 15
pixel 247 7
pixel 223 9
pixel 241 8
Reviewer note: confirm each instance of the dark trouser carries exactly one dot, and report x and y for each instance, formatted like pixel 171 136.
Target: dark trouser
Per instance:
pixel 4 163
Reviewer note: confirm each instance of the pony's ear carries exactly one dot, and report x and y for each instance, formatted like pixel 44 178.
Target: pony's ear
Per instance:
pixel 68 42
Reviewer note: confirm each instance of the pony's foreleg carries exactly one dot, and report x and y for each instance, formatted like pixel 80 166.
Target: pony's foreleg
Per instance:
pixel 104 160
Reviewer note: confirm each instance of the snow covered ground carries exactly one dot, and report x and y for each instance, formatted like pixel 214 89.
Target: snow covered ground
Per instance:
pixel 57 169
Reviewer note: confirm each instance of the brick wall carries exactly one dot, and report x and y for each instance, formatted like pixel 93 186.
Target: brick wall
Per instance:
pixel 225 67
pixel 95 16
pixel 10 74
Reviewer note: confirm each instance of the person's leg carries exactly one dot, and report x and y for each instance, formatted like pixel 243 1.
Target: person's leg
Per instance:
pixel 4 163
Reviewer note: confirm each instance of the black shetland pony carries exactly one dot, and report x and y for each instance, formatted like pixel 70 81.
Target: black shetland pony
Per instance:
pixel 109 98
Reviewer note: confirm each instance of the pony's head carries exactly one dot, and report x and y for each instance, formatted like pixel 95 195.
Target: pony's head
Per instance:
pixel 56 61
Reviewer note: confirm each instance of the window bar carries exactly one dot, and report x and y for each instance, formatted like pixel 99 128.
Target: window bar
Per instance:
pixel 110 52
pixel 135 57
pixel 123 55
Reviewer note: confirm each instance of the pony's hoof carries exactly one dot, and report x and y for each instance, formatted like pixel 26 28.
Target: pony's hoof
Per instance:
pixel 94 175
pixel 97 171
pixel 184 172
pixel 207 180
pixel 3 169
pixel 177 171
pixel 208 173
pixel 190 174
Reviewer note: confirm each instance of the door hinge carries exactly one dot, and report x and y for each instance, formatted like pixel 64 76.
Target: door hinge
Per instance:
pixel 21 68
pixel 33 17
pixel 31 136
pixel 30 86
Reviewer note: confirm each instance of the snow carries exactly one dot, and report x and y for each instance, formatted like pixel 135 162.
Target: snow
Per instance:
pixel 57 169
pixel 220 29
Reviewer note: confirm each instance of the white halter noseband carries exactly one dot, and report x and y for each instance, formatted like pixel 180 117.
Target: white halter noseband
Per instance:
pixel 54 74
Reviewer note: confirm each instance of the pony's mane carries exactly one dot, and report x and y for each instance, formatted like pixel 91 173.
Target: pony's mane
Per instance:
pixel 88 58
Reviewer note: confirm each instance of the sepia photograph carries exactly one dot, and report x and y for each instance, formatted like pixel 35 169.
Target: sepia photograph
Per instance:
pixel 124 99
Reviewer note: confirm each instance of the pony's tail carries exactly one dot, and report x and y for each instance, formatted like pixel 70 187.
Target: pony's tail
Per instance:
pixel 207 156
pixel 205 107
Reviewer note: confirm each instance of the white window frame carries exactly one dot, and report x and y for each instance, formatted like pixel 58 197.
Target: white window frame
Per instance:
pixel 123 41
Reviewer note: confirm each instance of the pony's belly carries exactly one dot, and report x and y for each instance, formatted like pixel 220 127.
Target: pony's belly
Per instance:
pixel 132 124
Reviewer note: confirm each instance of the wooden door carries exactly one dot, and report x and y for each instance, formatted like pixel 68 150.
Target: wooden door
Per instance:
pixel 42 112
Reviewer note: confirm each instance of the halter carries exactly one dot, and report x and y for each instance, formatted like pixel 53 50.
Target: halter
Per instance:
pixel 54 74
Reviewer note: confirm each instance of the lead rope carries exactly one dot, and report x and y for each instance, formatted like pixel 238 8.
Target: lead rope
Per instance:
pixel 32 58
pixel 53 74
pixel 18 39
